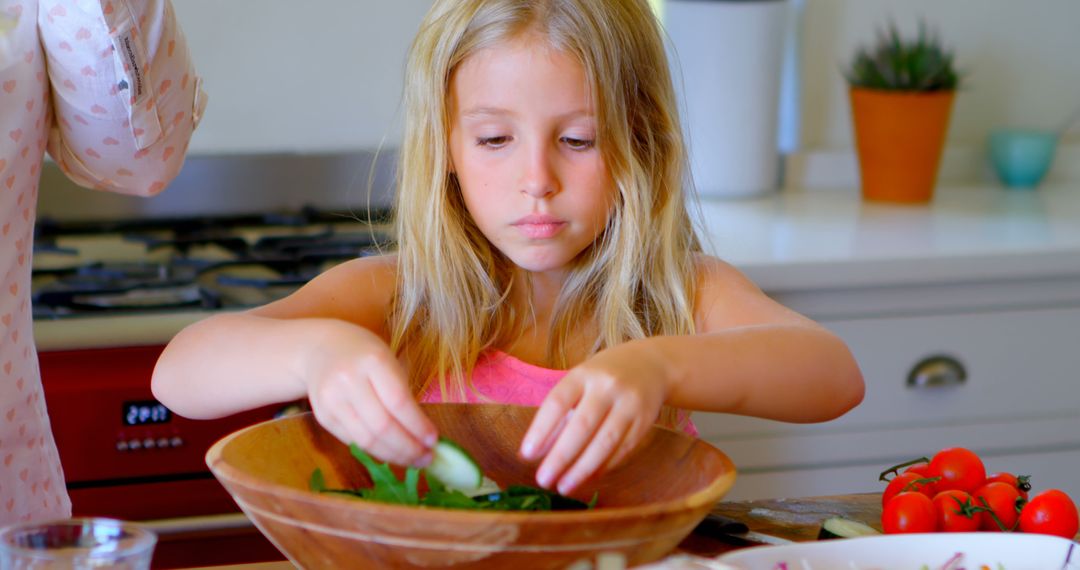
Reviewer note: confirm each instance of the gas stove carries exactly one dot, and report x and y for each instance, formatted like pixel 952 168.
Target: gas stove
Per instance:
pixel 168 265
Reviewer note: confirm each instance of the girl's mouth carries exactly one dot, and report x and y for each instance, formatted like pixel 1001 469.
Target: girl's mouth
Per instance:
pixel 539 226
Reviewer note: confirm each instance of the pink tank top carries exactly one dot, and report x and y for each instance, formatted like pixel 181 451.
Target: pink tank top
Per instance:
pixel 501 378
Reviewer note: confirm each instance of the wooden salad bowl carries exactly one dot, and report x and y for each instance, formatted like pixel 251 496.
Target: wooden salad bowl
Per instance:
pixel 644 508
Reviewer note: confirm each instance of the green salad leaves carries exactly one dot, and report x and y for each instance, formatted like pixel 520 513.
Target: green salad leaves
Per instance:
pixel 387 488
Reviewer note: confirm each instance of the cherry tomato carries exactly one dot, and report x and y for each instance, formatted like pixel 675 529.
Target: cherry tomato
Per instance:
pixel 958 468
pixel 920 468
pixel 1002 499
pixel 907 481
pixel 1021 482
pixel 909 512
pixel 955 512
pixel 1050 512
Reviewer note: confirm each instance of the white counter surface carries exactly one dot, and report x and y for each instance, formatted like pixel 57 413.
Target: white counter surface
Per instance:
pixel 808 240
pixel 819 239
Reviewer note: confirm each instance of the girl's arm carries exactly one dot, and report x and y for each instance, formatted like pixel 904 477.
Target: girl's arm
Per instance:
pixel 755 357
pixel 125 95
pixel 751 356
pixel 326 342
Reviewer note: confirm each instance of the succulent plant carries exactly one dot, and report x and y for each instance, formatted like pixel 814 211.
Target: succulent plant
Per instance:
pixel 899 64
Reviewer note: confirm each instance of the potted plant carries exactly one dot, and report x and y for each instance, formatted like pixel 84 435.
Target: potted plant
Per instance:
pixel 901 97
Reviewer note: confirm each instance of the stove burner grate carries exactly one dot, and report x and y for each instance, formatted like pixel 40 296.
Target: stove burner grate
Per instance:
pixel 202 263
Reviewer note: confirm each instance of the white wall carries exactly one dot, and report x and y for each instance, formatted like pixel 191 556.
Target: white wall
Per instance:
pixel 327 76
pixel 1021 60
pixel 299 76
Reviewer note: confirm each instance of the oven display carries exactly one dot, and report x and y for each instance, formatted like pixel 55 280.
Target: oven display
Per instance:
pixel 145 412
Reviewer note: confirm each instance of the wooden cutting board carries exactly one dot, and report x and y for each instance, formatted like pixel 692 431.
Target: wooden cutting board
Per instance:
pixel 800 519
pixel 792 519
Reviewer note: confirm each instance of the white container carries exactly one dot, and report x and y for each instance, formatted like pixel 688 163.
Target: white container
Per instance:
pixel 727 63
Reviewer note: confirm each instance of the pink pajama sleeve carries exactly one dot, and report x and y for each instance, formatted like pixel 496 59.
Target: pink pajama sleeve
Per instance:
pixel 125 95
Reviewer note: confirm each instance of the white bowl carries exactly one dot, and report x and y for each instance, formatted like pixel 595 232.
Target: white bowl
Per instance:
pixel 1012 551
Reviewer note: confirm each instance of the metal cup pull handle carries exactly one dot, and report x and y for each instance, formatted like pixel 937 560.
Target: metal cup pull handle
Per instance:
pixel 937 371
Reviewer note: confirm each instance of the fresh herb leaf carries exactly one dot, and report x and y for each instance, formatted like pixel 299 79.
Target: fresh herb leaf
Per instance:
pixel 317 482
pixel 347 492
pixel 412 479
pixel 552 501
pixel 433 482
pixel 386 486
pixel 449 499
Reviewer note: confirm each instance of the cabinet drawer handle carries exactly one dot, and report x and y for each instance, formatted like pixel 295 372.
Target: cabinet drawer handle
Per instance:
pixel 937 371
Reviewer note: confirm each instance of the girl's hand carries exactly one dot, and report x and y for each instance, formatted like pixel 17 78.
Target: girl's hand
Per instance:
pixel 596 415
pixel 359 393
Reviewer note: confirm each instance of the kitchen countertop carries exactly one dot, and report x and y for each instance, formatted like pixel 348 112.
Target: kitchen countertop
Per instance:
pixel 817 239
pixel 802 240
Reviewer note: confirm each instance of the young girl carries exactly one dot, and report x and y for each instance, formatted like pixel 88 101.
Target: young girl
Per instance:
pixel 545 257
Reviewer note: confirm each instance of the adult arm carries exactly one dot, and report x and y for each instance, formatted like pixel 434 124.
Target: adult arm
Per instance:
pixel 125 96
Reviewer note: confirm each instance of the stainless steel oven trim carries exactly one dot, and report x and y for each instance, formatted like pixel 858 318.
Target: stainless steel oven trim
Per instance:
pixel 238 184
pixel 198 524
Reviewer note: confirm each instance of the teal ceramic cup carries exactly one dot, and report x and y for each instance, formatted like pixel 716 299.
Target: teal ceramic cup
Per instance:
pixel 1021 157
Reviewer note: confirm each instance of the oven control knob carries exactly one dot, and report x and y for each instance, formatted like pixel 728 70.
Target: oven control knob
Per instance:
pixel 149 443
pixel 176 441
pixel 121 445
pixel 135 444
pixel 163 442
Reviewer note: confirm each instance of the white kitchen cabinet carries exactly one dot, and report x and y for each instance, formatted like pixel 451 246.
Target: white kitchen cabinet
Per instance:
pixel 1017 406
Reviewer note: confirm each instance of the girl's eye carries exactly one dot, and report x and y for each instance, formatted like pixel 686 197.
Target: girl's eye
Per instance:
pixel 578 144
pixel 493 142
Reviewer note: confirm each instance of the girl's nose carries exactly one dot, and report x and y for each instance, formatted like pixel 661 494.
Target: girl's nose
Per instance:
pixel 539 180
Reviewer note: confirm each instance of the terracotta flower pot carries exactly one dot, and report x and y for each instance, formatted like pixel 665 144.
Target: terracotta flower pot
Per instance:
pixel 899 136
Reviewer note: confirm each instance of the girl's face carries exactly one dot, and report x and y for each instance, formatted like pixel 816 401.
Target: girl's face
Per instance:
pixel 523 147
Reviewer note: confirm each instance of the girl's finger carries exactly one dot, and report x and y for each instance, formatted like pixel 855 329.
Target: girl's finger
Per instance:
pixel 588 415
pixel 390 385
pixel 634 435
pixel 377 431
pixel 548 419
pixel 606 441
pixel 549 441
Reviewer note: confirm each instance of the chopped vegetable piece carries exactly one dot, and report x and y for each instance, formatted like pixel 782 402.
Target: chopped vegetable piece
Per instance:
pixel 455 467
pixel 840 527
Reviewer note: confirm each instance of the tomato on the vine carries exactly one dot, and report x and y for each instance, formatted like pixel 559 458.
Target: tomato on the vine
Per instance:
pixel 1004 502
pixel 907 481
pixel 1050 512
pixel 1021 482
pixel 955 512
pixel 909 512
pixel 920 468
pixel 958 468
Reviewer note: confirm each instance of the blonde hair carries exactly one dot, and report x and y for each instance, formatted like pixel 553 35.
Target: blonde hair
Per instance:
pixel 636 280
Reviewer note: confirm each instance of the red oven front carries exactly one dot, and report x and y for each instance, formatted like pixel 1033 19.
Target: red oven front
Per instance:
pixel 126 456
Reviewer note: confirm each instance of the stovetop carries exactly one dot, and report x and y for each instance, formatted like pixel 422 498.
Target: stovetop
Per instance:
pixel 163 265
